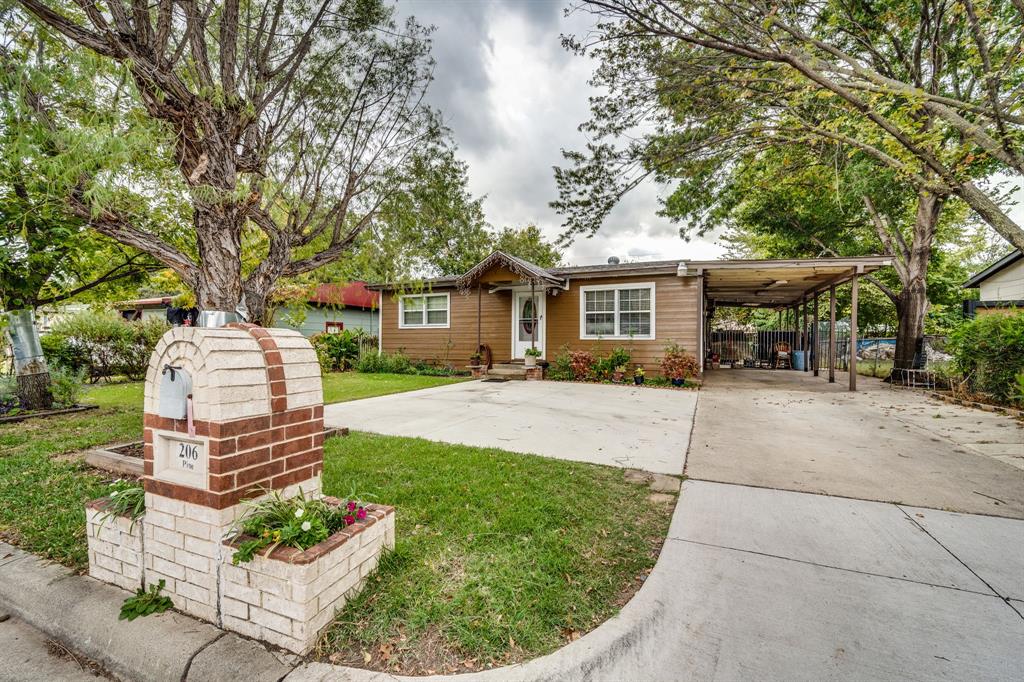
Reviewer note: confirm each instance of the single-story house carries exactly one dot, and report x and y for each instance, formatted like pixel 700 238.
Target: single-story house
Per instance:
pixel 335 307
pixel 1001 286
pixel 506 305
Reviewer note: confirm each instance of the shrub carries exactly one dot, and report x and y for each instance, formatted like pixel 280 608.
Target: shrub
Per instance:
pixel 581 364
pixel 677 363
pixel 8 393
pixel 383 363
pixel 102 344
pixel 66 387
pixel 339 351
pixel 604 367
pixel 989 352
pixel 560 368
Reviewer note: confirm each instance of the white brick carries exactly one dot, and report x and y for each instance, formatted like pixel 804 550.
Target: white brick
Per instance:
pixel 196 529
pixel 270 584
pixel 248 595
pixel 156 548
pixel 168 537
pixel 365 552
pixel 194 592
pixel 154 576
pixel 338 590
pixel 160 519
pixel 99 573
pixel 127 555
pixel 109 563
pixel 165 504
pixel 284 641
pixel 270 620
pixel 132 572
pixel 190 560
pixel 199 610
pixel 202 547
pixel 368 566
pixel 235 574
pixel 168 568
pixel 242 625
pixel 289 608
pixel 234 608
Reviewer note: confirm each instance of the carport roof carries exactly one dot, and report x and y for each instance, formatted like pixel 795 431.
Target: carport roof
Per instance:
pixel 775 283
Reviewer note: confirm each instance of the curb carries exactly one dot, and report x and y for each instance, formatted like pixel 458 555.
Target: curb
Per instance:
pixel 82 613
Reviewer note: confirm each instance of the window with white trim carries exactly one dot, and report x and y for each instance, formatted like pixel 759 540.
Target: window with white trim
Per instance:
pixel 621 311
pixel 423 310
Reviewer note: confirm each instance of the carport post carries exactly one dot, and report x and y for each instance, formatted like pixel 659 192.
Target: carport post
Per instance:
pixel 807 340
pixel 832 334
pixel 814 335
pixel 853 331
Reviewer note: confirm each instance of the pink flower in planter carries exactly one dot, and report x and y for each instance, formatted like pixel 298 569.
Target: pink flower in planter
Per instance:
pixel 349 520
pixel 351 506
pixel 361 514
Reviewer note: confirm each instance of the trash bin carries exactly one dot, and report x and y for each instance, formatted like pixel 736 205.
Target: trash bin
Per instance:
pixel 799 357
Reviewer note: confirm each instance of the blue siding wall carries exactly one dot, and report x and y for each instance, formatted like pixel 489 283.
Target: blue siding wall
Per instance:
pixel 316 317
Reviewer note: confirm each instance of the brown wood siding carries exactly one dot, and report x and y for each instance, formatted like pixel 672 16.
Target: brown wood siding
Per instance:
pixel 676 319
pixel 432 344
pixel 676 300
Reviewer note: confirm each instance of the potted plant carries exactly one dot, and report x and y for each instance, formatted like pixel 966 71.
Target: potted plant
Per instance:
pixel 618 373
pixel 476 367
pixel 678 365
pixel 531 356
pixel 638 375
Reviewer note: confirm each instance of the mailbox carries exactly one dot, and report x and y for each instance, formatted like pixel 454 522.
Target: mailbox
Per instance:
pixel 175 390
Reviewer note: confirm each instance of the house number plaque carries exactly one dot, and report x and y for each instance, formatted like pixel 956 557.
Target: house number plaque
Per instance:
pixel 180 459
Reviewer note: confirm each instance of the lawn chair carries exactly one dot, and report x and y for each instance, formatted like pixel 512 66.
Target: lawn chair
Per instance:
pixel 783 355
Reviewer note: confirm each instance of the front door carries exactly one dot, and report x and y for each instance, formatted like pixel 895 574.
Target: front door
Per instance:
pixel 527 322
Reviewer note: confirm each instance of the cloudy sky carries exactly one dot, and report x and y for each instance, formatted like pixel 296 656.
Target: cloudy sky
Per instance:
pixel 513 98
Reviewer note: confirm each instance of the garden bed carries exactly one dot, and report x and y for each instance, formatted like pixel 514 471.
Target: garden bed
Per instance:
pixel 124 458
pixel 42 414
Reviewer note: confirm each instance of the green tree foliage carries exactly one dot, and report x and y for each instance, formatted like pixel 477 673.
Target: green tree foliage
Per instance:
pixel 274 131
pixel 930 91
pixel 989 351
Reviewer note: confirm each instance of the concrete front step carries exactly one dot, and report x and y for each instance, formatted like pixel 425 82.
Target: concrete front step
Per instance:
pixel 507 371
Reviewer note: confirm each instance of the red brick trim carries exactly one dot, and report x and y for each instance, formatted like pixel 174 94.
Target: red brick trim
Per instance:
pixel 272 359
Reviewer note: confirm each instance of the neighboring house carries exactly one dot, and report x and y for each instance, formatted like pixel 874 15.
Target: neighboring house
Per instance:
pixel 1000 285
pixel 334 307
pixel 507 305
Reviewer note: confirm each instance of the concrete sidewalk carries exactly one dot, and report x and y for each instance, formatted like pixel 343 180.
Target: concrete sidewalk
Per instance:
pixel 624 426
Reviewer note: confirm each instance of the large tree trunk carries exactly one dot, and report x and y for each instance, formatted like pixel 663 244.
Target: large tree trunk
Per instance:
pixel 29 364
pixel 219 235
pixel 912 301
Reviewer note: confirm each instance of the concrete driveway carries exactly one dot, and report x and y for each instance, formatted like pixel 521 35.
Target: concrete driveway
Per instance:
pixel 794 431
pixel 623 426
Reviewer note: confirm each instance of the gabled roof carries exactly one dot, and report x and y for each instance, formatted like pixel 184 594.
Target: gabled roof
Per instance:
pixel 1004 262
pixel 523 268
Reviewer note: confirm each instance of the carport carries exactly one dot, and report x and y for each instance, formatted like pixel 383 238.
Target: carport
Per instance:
pixel 785 285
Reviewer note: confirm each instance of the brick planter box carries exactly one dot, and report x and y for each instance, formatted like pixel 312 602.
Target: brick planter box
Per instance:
pixel 289 596
pixel 115 546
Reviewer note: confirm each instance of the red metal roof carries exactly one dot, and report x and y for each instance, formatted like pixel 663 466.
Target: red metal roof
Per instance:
pixel 351 295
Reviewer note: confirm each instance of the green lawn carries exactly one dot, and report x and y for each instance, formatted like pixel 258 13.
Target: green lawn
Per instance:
pixel 500 557
pixel 42 491
pixel 342 386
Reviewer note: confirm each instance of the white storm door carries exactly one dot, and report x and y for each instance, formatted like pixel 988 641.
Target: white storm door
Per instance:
pixel 527 322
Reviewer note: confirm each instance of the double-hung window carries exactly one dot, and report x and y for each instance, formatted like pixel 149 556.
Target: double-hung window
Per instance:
pixel 621 311
pixel 423 310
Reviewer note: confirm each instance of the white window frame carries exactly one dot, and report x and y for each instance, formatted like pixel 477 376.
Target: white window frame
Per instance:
pixel 616 288
pixel 425 325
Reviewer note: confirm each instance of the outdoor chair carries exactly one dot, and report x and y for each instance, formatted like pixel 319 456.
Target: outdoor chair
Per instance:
pixel 783 355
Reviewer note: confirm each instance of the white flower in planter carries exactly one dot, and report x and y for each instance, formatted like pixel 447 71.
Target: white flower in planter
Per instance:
pixel 306 525
pixel 299 512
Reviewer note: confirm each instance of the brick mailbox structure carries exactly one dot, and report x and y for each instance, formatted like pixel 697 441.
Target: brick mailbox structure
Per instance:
pixel 231 413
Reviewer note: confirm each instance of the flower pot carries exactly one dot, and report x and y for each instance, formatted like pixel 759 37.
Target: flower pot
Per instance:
pixel 617 377
pixel 531 361
pixel 638 380
pixel 678 382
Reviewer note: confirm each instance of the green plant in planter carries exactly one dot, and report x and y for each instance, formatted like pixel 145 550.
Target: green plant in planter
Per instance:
pixel 638 375
pixel 127 499
pixel 296 522
pixel 533 352
pixel 146 602
pixel 678 365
